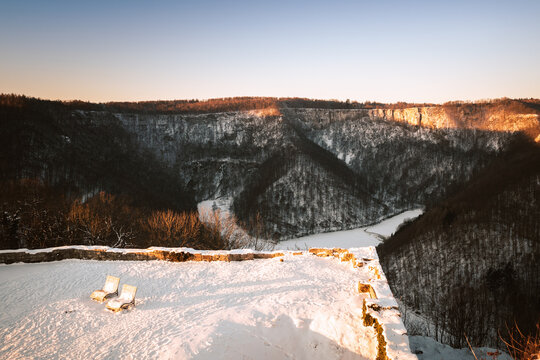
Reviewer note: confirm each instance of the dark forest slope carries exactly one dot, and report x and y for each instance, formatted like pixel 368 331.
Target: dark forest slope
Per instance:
pixel 377 158
pixel 48 141
pixel 472 262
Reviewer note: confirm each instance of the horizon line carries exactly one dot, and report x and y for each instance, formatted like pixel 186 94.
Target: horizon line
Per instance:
pixel 477 100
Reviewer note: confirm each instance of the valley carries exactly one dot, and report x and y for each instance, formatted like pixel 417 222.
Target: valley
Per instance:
pixel 284 170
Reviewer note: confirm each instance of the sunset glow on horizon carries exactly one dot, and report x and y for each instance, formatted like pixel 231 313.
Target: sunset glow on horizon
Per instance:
pixel 388 51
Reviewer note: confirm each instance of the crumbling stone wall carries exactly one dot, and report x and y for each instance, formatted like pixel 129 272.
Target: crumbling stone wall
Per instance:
pixel 135 255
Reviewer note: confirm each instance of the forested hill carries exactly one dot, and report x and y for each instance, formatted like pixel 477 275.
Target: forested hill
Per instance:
pixel 300 166
pixel 475 255
pixel 49 141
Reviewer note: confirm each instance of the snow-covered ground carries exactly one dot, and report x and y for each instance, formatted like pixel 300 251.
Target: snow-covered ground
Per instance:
pixel 302 308
pixel 429 349
pixel 345 239
pixel 389 226
pixel 366 236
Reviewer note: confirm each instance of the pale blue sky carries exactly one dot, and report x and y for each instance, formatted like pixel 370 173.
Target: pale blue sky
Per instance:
pixel 362 50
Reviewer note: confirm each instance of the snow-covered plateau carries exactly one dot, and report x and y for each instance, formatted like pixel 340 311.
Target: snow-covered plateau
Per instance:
pixel 304 307
pixel 291 307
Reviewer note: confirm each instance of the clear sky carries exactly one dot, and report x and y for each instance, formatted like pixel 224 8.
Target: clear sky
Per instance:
pixel 430 51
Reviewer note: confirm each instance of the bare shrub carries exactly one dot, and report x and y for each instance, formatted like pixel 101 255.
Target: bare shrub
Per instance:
pixel 104 220
pixel 521 346
pixel 234 234
pixel 173 229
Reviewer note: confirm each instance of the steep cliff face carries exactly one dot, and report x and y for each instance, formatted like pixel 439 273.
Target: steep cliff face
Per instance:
pixel 261 163
pixel 214 154
pixel 400 164
pixel 311 170
pixel 463 117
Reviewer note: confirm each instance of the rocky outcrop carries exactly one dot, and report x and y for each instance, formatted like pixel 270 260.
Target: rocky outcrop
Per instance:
pixel 447 117
pixel 477 117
